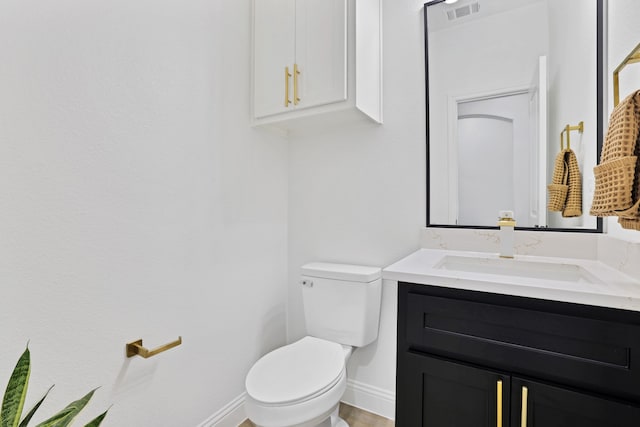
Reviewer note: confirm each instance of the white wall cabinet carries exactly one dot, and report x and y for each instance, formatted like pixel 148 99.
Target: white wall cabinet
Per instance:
pixel 306 58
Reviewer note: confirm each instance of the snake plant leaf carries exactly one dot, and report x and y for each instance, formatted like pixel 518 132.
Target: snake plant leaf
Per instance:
pixel 98 420
pixel 59 419
pixel 16 392
pixel 66 416
pixel 33 410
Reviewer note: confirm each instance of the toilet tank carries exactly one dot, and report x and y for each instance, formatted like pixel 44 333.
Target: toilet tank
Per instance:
pixel 342 302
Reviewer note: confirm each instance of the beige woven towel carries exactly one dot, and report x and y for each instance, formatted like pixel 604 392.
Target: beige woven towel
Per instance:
pixel 565 190
pixel 617 191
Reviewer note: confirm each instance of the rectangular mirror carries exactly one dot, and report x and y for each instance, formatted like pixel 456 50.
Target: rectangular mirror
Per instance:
pixel 510 85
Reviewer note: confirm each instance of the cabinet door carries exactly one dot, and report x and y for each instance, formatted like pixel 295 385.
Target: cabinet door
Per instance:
pixel 273 50
pixel 321 51
pixel 434 392
pixel 543 405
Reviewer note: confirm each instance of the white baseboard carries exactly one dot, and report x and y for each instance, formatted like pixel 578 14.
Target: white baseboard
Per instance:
pixel 231 415
pixel 372 399
pixel 364 396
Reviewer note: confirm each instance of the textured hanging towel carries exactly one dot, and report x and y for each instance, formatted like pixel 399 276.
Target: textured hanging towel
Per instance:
pixel 617 190
pixel 565 190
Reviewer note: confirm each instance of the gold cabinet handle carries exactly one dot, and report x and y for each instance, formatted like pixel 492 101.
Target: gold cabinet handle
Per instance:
pixel 296 73
pixel 287 75
pixel 499 394
pixel 525 396
pixel 136 349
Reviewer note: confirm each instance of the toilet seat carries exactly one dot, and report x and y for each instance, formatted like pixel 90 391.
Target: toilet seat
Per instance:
pixel 296 373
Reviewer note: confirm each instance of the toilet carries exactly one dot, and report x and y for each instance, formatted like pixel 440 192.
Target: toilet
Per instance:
pixel 301 384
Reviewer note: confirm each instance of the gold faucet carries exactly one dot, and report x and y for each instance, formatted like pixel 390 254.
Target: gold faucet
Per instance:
pixel 507 224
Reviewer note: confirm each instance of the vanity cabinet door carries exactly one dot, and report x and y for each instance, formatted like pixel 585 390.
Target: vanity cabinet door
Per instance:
pixel 434 392
pixel 542 405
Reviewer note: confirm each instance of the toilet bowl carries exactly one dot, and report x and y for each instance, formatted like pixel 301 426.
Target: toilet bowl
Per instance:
pixel 298 385
pixel 301 384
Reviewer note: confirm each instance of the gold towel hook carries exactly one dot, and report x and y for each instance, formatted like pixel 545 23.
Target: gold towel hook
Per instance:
pixel 136 349
pixel 579 127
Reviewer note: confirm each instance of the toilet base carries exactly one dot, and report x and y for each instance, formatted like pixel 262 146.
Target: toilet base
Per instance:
pixel 333 420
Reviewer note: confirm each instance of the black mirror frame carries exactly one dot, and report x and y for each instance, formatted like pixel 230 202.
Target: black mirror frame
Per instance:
pixel 599 125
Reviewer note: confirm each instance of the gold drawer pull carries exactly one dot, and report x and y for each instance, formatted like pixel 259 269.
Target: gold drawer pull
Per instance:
pixel 499 414
pixel 136 349
pixel 525 395
pixel 296 73
pixel 287 75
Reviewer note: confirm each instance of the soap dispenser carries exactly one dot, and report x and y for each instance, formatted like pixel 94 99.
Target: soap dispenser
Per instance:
pixel 507 223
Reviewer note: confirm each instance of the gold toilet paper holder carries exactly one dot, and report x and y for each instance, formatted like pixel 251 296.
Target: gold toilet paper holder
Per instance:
pixel 135 348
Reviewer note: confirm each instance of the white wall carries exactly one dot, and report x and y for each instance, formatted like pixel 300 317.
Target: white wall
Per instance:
pixel 136 202
pixel 624 35
pixel 357 195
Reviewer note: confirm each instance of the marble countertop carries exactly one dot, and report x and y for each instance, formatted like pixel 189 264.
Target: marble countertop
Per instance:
pixel 597 284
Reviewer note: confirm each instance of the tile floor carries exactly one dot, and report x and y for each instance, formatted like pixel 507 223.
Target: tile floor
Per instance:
pixel 355 417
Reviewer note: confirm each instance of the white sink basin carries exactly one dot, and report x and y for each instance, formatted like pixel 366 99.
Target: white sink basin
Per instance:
pixel 511 267
pixel 579 281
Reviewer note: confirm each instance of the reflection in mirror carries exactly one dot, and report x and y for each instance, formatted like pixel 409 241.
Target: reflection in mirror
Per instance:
pixel 504 78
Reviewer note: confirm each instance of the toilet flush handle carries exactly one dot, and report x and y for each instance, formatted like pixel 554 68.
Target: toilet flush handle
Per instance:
pixel 307 283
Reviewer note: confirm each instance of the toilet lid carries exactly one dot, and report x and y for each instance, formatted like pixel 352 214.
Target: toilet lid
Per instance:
pixel 296 372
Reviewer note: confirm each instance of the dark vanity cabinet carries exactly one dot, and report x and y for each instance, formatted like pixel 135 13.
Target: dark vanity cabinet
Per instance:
pixel 474 359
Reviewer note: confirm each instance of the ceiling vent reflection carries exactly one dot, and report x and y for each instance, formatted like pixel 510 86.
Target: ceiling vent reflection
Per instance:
pixel 461 11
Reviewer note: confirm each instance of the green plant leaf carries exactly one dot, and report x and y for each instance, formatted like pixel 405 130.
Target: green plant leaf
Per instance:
pixel 65 416
pixel 59 419
pixel 16 392
pixel 33 410
pixel 98 420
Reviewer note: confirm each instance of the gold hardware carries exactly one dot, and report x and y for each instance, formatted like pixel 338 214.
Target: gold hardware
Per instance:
pixel 632 58
pixel 287 75
pixel 136 348
pixel 523 418
pixel 567 130
pixel 296 73
pixel 499 391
